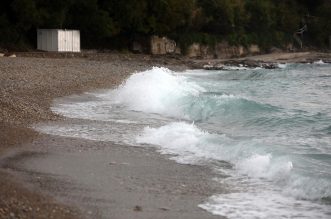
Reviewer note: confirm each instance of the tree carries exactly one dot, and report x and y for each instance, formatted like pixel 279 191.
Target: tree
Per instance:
pixel 265 22
pixel 219 14
pixel 25 16
pixel 94 23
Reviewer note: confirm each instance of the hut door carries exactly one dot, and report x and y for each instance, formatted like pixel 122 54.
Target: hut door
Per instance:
pixel 68 41
pixel 61 42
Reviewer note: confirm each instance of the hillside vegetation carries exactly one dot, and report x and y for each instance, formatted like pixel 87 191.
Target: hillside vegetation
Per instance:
pixel 116 23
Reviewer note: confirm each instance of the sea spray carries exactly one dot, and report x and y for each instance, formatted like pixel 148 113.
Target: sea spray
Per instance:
pixel 158 90
pixel 165 92
pixel 187 140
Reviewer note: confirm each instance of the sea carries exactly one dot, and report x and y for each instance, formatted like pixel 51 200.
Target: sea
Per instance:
pixel 266 133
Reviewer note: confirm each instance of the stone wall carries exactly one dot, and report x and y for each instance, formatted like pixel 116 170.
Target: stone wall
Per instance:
pixel 162 45
pixel 223 50
pixel 197 50
pixel 254 49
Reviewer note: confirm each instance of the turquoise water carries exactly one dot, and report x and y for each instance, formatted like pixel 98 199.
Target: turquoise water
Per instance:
pixel 267 133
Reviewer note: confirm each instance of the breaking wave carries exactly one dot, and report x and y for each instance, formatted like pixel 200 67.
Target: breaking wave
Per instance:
pixel 271 126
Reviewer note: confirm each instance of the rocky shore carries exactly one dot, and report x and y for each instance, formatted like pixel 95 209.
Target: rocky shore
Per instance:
pixel 268 61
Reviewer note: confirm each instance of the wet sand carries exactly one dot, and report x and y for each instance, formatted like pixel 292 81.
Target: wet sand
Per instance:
pixel 104 180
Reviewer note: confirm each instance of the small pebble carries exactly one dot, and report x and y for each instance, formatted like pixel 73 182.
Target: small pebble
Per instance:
pixel 138 208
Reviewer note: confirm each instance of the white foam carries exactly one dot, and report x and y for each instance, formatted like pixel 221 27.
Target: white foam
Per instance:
pixel 310 188
pixel 177 139
pixel 235 68
pixel 282 65
pixel 263 166
pixel 319 62
pixel 120 133
pixel 263 205
pixel 256 165
pixel 158 90
pixel 92 110
pixel 191 144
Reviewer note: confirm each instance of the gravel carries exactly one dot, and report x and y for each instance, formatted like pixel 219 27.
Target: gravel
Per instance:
pixel 28 86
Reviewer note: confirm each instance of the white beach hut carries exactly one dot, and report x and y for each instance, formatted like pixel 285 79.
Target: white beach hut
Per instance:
pixel 58 40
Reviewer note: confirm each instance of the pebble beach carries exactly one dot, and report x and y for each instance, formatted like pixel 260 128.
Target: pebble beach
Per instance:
pixel 28 85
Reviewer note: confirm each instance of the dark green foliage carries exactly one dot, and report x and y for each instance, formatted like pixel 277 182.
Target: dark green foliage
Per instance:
pixel 108 23
pixel 320 27
pixel 187 39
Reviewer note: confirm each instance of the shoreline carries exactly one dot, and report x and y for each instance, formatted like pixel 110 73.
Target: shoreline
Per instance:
pixel 28 87
pixel 106 180
pixel 267 61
